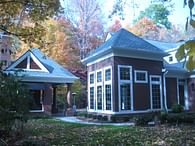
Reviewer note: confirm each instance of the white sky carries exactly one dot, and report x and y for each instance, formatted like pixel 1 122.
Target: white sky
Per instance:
pixel 178 16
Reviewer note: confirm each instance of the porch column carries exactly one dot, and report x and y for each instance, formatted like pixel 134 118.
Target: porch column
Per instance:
pixel 54 107
pixel 69 110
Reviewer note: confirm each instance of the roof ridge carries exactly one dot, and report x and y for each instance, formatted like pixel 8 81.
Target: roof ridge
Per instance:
pixel 117 38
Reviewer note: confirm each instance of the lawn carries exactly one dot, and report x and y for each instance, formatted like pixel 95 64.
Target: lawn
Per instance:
pixel 54 132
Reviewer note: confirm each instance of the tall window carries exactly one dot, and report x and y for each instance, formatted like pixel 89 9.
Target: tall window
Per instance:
pixel 91 78
pixel 155 91
pixel 99 76
pixel 108 97
pixel 99 90
pixel 107 89
pixel 91 98
pixel 125 84
pixel 91 91
pixel 99 97
pixel 107 74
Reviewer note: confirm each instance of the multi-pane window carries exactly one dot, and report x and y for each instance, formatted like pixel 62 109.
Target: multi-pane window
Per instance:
pixel 125 96
pixel 125 90
pixel 107 74
pixel 91 78
pixel 156 96
pixel 100 90
pixel 99 97
pixel 107 89
pixel 91 91
pixel 124 73
pixel 99 76
pixel 156 93
pixel 141 76
pixel 91 98
pixel 157 79
pixel 108 96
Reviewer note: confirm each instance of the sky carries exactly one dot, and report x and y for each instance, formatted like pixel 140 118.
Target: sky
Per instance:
pixel 178 15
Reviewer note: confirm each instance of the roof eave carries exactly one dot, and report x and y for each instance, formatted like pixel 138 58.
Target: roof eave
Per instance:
pixel 94 56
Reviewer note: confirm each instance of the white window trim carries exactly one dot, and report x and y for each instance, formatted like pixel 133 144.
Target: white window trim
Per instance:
pixel 104 90
pixel 97 71
pixel 141 71
pixel 157 83
pixel 91 85
pixel 131 87
pixel 99 84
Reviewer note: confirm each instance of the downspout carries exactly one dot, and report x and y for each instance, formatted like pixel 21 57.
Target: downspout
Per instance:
pixel 164 86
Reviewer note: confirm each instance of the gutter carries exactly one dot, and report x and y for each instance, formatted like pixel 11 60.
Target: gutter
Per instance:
pixel 165 94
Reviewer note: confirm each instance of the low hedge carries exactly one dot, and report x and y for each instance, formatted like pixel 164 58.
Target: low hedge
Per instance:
pixel 178 118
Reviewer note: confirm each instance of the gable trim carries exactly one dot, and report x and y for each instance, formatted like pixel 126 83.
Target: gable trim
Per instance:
pixel 28 55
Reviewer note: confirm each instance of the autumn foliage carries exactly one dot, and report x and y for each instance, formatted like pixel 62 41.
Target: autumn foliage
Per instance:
pixel 145 28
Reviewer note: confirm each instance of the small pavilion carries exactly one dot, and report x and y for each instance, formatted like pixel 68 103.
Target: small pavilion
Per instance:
pixel 41 75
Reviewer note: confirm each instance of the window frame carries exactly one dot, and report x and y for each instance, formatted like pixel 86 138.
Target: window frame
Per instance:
pixel 108 82
pixel 90 85
pixel 170 58
pixel 141 81
pixel 160 87
pixel 96 87
pixel 131 87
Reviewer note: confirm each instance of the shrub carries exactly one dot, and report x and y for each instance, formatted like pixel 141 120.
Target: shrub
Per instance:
pixel 99 117
pixel 163 117
pixel 113 118
pixel 104 118
pixel 142 120
pixel 177 108
pixel 177 118
pixel 13 101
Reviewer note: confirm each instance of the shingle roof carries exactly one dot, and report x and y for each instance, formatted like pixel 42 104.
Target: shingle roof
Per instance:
pixel 50 64
pixel 165 45
pixel 56 74
pixel 124 39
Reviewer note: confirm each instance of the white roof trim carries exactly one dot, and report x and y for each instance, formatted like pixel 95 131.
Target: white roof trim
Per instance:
pixel 28 55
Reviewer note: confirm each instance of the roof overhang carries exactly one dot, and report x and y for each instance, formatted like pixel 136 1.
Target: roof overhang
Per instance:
pixel 174 71
pixel 96 55
pixel 126 52
pixel 140 54
pixel 25 76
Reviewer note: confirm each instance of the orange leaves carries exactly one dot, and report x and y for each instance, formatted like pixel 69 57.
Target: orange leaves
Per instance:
pixel 145 28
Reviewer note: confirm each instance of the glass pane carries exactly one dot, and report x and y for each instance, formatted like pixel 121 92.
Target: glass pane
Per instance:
pixel 99 76
pixel 108 97
pixel 91 98
pixel 23 64
pixel 156 96
pixel 108 75
pixel 91 78
pixel 124 73
pixel 33 65
pixel 125 96
pixel 155 79
pixel 99 97
pixel 140 76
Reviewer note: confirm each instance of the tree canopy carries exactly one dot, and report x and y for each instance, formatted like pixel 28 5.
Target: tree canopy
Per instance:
pixel 158 13
pixel 21 18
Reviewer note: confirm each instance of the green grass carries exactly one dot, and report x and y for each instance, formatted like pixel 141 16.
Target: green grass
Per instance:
pixel 55 132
